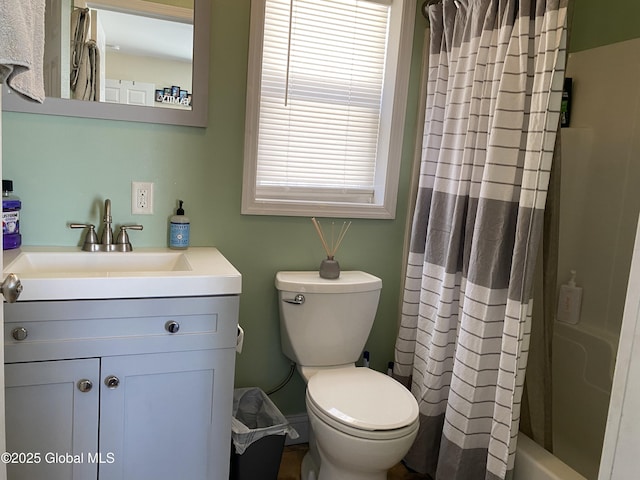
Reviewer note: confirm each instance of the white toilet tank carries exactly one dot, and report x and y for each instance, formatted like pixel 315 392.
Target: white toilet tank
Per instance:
pixel 324 322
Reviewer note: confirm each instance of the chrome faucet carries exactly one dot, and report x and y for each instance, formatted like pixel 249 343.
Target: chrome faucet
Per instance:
pixel 107 232
pixel 122 243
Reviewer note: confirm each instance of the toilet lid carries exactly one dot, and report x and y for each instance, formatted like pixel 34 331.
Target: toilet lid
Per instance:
pixel 363 398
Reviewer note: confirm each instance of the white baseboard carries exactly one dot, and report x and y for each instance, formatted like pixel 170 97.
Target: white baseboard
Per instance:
pixel 301 424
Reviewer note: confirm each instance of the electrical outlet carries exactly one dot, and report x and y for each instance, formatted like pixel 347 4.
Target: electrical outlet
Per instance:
pixel 142 198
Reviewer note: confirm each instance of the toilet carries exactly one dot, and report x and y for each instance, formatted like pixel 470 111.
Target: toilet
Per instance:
pixel 362 421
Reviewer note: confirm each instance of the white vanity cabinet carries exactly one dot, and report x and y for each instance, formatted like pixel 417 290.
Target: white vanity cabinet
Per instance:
pixel 128 389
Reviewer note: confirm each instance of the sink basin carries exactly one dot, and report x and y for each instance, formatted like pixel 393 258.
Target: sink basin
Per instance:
pixel 67 273
pixel 94 262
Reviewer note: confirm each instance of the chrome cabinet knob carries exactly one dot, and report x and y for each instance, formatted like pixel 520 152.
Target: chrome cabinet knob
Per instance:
pixel 172 326
pixel 85 385
pixel 11 288
pixel 112 382
pixel 19 333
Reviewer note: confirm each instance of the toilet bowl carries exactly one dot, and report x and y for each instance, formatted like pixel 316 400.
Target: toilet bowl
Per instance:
pixel 362 421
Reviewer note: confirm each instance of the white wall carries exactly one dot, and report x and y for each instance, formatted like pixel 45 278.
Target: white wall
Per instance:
pixel 598 214
pixel 162 73
pixel 620 459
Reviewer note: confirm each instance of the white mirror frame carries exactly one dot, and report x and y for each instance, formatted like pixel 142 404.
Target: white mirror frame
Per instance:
pixel 196 117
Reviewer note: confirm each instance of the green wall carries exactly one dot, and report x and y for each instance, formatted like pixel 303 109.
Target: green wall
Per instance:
pixel 63 168
pixel 596 22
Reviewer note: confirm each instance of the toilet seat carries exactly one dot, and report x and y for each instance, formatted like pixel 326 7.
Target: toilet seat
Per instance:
pixel 375 435
pixel 363 403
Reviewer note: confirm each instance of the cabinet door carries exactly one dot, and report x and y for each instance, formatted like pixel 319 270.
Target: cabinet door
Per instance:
pixel 158 420
pixel 50 421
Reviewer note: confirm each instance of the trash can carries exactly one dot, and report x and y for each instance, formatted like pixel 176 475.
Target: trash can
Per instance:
pixel 258 432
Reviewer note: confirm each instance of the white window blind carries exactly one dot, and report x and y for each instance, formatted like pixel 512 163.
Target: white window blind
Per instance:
pixel 323 68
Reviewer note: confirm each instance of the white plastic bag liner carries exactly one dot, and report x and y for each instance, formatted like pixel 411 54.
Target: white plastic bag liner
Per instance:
pixel 256 416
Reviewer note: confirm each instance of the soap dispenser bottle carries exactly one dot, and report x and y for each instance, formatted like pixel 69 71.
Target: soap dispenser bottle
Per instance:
pixel 179 229
pixel 570 301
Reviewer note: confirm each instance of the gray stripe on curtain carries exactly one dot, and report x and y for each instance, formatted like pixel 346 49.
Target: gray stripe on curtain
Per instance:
pixel 448 241
pixel 493 98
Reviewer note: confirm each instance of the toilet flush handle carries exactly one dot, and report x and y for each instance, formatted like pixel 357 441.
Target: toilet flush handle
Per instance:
pixel 297 300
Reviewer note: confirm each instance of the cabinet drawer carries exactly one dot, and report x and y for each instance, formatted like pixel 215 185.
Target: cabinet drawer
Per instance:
pixel 35 331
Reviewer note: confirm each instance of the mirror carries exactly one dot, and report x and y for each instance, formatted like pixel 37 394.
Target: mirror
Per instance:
pixel 179 97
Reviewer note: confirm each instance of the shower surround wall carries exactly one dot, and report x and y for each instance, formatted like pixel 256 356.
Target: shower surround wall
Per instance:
pixel 598 216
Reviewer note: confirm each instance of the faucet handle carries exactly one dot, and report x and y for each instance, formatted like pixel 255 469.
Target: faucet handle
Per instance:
pixel 122 242
pixel 91 239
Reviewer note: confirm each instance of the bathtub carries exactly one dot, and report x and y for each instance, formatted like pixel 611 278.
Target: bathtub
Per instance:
pixel 583 364
pixel 535 463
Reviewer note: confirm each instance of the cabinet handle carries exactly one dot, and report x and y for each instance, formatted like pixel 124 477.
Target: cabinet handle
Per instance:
pixel 172 326
pixel 112 381
pixel 19 333
pixel 85 385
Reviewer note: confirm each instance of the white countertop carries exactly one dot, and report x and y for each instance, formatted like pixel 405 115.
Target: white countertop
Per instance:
pixel 67 273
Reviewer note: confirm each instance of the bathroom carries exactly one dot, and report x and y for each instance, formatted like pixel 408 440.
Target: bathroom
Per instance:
pixel 77 162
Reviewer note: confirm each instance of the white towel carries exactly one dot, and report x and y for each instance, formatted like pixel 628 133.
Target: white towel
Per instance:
pixel 22 47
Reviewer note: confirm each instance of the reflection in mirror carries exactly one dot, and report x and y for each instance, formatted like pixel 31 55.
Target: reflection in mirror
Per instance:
pixel 134 60
pixel 140 56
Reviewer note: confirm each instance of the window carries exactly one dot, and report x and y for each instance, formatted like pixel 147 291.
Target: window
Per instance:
pixel 326 101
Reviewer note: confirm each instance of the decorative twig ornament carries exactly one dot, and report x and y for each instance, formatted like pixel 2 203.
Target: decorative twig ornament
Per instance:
pixel 329 267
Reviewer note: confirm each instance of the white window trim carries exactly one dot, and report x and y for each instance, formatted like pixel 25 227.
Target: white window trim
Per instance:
pixel 388 169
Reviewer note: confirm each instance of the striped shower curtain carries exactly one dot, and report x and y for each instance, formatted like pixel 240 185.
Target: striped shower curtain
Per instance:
pixel 496 70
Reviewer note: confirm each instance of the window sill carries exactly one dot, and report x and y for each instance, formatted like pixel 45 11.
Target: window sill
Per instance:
pixel 315 209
